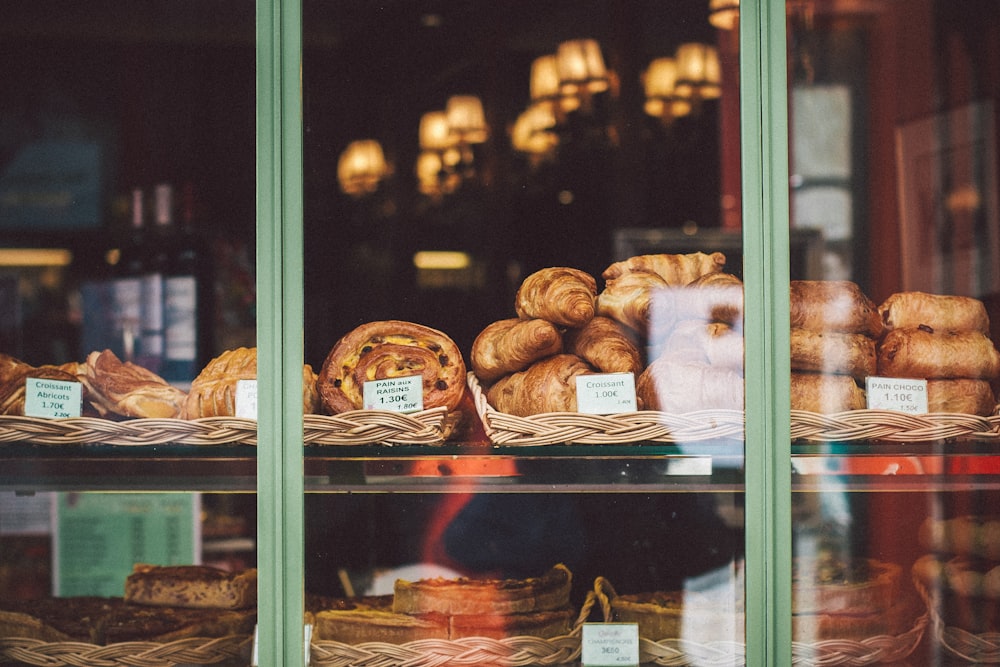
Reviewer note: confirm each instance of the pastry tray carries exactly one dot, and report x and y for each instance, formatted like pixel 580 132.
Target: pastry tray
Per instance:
pixel 357 427
pixel 704 425
pixel 232 650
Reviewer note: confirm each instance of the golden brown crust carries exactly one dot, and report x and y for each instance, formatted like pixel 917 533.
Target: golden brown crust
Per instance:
pixel 213 391
pixel 168 624
pixel 559 294
pixel 961 395
pixel 833 305
pixel 511 345
pixel 825 393
pixel 128 390
pixel 541 624
pixel 641 300
pixel 606 345
pixel 191 586
pixel 676 270
pixel 13 376
pixel 548 385
pixel 387 349
pixel 360 625
pixel 832 352
pixel 909 310
pixel 924 353
pixel 676 614
pixel 677 385
pixel 488 597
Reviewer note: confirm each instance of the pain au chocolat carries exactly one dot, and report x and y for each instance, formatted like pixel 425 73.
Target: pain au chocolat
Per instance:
pixel 391 349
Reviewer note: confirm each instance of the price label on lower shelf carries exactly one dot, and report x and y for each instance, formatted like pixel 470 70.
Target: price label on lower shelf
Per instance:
pixel 605 393
pixel 246 399
pixel 899 394
pixel 609 644
pixel 402 394
pixel 51 398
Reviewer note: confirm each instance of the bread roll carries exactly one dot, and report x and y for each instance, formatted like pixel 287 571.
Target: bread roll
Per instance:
pixel 909 310
pixel 832 352
pixel 561 295
pixel 391 349
pixel 676 270
pixel 548 385
pixel 929 354
pixel 640 300
pixel 605 345
pixel 679 386
pixel 511 345
pixel 213 391
pixel 127 390
pixel 825 393
pixel 833 305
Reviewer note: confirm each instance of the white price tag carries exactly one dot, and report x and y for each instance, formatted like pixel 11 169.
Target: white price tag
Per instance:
pixel 246 399
pixel 606 393
pixel 899 394
pixel 609 644
pixel 402 394
pixel 51 398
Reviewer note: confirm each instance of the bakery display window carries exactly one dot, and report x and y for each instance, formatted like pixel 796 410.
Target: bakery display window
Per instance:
pixel 894 362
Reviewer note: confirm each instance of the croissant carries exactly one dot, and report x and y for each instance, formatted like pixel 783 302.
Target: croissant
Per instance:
pixel 548 385
pixel 640 300
pixel 908 310
pixel 13 376
pixel 561 295
pixel 677 270
pixel 511 345
pixel 677 386
pixel 390 349
pixel 833 305
pixel 606 346
pixel 924 353
pixel 128 390
pixel 213 392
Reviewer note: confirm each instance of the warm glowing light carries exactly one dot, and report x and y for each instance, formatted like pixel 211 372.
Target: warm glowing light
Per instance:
pixel 441 259
pixel 35 257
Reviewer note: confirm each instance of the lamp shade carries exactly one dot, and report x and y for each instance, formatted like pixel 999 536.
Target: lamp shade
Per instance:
pixel 544 78
pixel 724 14
pixel 660 84
pixel 466 119
pixel 532 130
pixel 435 135
pixel 361 166
pixel 698 71
pixel 580 64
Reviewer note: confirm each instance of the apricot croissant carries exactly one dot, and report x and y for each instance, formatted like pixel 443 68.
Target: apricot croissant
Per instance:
pixel 561 295
pixel 128 390
pixel 511 345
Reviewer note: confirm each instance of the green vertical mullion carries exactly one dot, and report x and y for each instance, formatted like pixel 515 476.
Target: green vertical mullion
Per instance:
pixel 279 334
pixel 764 137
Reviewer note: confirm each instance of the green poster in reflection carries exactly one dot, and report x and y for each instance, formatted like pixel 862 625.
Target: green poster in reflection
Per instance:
pixel 98 537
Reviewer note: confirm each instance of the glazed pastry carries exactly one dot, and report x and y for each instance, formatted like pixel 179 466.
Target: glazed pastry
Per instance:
pixel 679 386
pixel 511 345
pixel 561 295
pixel 826 393
pixel 909 310
pixel 548 385
pixel 832 352
pixel 391 349
pixel 641 300
pixel 213 392
pixel 925 353
pixel 125 389
pixel 605 345
pixel 833 305
pixel 676 270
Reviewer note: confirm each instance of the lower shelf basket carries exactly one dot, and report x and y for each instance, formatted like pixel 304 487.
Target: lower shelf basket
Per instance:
pixel 223 652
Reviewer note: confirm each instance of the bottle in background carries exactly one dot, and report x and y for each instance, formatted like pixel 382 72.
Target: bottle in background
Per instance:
pixel 126 284
pixel 153 279
pixel 187 300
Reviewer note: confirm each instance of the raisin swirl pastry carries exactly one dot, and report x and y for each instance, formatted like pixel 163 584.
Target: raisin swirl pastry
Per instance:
pixel 390 349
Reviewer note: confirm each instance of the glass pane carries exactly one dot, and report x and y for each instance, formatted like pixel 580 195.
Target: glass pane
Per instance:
pixel 127 266
pixel 453 175
pixel 894 362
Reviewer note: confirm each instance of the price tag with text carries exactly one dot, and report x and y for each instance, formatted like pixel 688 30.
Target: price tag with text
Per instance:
pixel 605 394
pixel 609 644
pixel 51 398
pixel 246 399
pixel 899 394
pixel 402 394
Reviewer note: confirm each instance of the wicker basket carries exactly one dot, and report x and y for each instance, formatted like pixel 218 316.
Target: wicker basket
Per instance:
pixel 983 648
pixel 892 426
pixel 224 651
pixel 626 428
pixel 358 427
pixel 465 652
pixel 678 652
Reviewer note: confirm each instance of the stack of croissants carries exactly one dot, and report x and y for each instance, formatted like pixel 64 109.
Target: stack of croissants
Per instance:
pixel 674 321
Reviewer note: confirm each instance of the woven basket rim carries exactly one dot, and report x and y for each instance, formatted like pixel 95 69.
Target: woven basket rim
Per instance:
pixel 187 651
